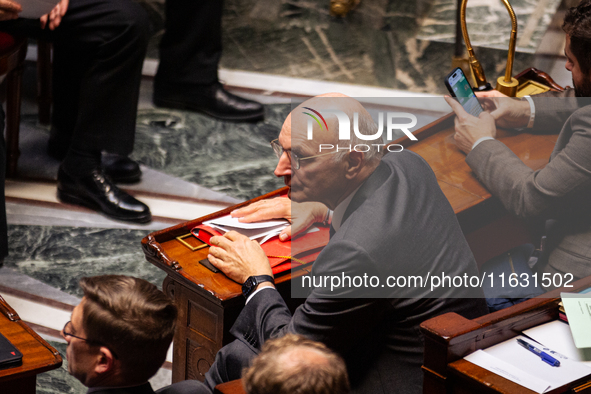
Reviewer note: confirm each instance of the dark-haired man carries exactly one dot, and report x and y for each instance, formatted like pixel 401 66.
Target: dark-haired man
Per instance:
pixel 558 193
pixel 119 335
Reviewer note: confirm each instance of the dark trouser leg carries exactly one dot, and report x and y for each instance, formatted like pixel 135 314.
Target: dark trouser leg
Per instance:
pixel 98 55
pixel 99 49
pixel 3 225
pixel 190 51
pixel 229 363
pixel 191 47
pixel 107 40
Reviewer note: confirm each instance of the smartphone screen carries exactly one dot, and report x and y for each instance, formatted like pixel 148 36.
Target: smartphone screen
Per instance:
pixel 458 86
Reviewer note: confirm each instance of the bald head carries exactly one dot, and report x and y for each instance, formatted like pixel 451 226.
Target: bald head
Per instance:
pixel 295 364
pixel 317 165
pixel 298 357
pixel 319 111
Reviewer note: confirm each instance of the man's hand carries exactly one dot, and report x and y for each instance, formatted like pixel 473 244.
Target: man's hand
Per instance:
pixel 508 112
pixel 238 256
pixel 300 215
pixel 470 129
pixel 54 18
pixel 9 10
pixel 272 208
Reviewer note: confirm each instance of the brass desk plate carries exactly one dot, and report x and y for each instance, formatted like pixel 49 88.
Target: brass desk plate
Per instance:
pixel 181 239
pixel 529 88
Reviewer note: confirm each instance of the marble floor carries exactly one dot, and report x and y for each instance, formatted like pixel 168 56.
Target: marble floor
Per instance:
pixel 52 245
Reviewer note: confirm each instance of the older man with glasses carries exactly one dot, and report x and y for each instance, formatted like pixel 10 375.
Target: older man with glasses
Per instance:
pixel 390 220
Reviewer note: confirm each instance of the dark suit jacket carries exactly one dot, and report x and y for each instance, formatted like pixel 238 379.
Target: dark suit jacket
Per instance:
pixel 560 191
pixel 145 388
pixel 398 223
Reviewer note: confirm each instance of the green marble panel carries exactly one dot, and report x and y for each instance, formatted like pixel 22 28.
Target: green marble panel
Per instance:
pixel 60 256
pixel 231 158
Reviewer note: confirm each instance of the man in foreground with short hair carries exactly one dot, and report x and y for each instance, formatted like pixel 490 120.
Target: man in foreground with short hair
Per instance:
pixel 119 335
pixel 558 193
pixel 390 219
pixel 295 364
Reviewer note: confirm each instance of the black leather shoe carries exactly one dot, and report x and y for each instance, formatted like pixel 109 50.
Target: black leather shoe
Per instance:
pixel 121 169
pixel 212 100
pixel 96 191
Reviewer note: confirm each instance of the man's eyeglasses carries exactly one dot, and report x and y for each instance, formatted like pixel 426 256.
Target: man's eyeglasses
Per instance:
pixel 68 333
pixel 293 157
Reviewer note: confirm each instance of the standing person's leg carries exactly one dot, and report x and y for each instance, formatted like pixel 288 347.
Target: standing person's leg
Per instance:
pixel 190 51
pixel 191 46
pixel 3 225
pixel 99 49
pixel 98 55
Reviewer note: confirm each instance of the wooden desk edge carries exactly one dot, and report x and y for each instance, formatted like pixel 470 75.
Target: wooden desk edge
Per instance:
pixel 183 228
pixel 450 337
pixel 52 362
pixel 496 383
pixel 155 253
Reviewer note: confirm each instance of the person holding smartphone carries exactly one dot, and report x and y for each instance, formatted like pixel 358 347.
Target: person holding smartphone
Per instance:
pixel 558 193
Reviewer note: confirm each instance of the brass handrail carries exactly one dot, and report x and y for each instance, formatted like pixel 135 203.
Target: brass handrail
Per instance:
pixel 506 84
pixel 474 63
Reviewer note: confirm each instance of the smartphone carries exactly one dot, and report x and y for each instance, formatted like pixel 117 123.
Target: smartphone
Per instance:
pixel 458 87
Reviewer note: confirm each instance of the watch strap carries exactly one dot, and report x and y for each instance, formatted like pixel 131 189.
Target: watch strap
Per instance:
pixel 253 281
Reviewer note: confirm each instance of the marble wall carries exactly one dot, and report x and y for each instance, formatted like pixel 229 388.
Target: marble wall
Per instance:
pixel 489 24
pixel 401 44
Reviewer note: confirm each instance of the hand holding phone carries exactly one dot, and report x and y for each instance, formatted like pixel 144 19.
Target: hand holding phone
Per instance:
pixel 458 87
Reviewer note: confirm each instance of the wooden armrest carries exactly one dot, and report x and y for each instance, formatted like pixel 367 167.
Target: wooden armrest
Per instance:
pixel 233 387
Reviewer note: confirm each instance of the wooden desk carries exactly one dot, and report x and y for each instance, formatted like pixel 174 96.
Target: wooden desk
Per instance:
pixel 450 337
pixel 38 355
pixel 209 303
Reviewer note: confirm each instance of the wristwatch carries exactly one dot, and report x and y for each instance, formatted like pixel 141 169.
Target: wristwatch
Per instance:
pixel 253 281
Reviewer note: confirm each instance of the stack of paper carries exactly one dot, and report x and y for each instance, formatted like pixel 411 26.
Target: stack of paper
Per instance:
pixel 578 312
pixel 511 361
pixel 557 335
pixel 261 231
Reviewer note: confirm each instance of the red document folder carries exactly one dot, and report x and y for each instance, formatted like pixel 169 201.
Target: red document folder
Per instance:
pixel 283 256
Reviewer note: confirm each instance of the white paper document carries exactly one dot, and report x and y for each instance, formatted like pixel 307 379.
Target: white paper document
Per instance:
pixel 557 335
pixel 513 362
pixel 506 370
pixel 35 9
pixel 578 312
pixel 261 231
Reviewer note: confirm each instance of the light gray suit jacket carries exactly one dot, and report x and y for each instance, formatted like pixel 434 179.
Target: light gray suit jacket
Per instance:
pixel 560 191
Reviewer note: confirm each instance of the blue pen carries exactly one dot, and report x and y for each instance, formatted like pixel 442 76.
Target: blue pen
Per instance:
pixel 543 355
